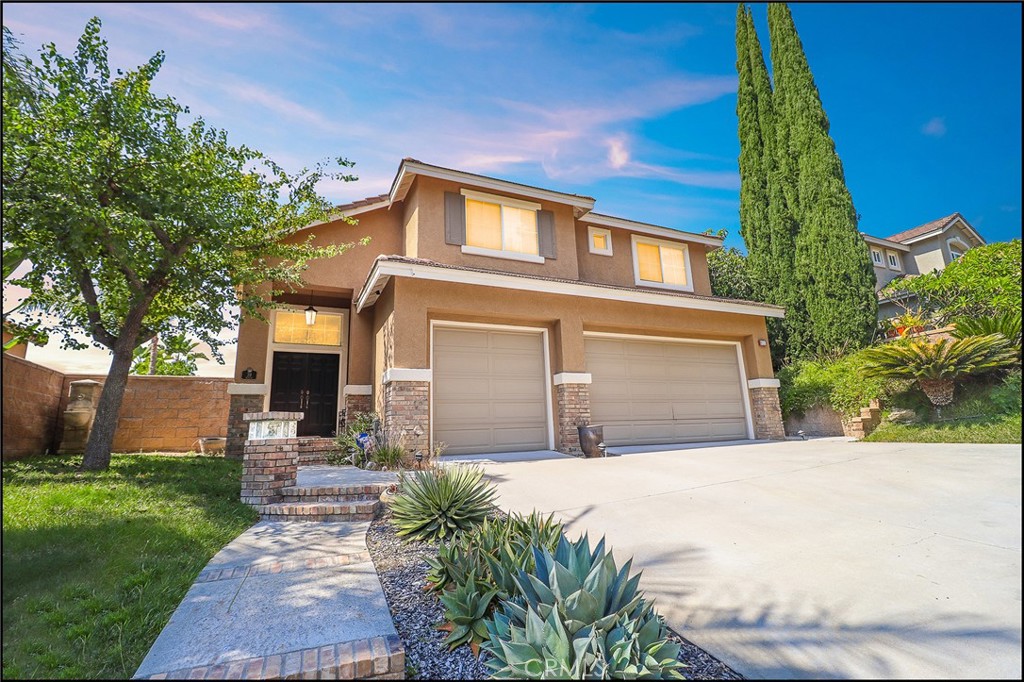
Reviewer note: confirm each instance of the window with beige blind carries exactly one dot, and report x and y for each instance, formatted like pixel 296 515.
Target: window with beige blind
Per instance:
pixel 290 327
pixel 661 264
pixel 499 226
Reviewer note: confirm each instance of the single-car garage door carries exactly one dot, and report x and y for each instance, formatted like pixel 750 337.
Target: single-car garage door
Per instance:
pixel 649 392
pixel 490 390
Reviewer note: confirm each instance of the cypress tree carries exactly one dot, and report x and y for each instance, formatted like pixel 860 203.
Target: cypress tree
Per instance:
pixel 833 274
pixel 766 224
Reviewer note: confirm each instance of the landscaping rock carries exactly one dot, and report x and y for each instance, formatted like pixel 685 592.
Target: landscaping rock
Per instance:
pixel 902 415
pixel 402 569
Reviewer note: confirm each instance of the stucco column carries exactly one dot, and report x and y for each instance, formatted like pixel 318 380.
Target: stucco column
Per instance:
pixel 569 351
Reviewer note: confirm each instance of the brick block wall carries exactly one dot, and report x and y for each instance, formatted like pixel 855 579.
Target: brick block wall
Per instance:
pixel 164 414
pixel 766 413
pixel 238 430
pixel 406 407
pixel 355 404
pixel 573 410
pixel 31 405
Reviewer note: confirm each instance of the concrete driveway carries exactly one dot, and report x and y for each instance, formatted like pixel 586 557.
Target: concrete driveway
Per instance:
pixel 823 558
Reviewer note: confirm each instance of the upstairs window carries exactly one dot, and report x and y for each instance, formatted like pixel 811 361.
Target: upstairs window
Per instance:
pixel 876 256
pixel 660 263
pixel 894 260
pixel 501 225
pixel 600 241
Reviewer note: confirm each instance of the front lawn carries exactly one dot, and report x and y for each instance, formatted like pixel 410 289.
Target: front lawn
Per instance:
pixel 1004 428
pixel 95 563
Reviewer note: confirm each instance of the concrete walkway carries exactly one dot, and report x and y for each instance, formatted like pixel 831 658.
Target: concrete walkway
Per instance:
pixel 284 598
pixel 816 559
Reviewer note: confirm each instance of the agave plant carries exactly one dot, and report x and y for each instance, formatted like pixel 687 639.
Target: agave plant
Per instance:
pixel 466 608
pixel 441 502
pixel 579 616
pixel 937 365
pixel 1007 324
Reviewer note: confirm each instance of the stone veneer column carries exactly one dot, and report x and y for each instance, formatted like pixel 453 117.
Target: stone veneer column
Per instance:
pixel 407 408
pixel 573 400
pixel 766 412
pixel 271 456
pixel 245 398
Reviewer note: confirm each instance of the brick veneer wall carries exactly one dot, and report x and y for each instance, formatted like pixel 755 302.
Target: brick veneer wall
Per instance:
pixel 766 413
pixel 573 410
pixel 238 430
pixel 407 406
pixel 31 403
pixel 355 404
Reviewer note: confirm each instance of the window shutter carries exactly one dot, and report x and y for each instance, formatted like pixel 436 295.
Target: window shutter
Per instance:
pixel 546 234
pixel 454 218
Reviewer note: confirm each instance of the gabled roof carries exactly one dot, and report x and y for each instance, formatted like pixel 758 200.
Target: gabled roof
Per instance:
pixel 888 243
pixel 409 168
pixel 934 227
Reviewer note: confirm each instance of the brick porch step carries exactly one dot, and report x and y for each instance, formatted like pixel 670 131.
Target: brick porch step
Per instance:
pixel 332 493
pixel 359 510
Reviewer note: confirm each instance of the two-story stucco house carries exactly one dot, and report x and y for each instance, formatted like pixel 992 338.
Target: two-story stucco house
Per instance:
pixel 920 250
pixel 494 316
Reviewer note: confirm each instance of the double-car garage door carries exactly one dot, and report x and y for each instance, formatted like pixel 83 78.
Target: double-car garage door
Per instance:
pixel 490 390
pixel 649 391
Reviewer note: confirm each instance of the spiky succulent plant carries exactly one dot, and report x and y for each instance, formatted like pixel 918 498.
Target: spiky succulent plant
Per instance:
pixel 578 616
pixel 440 502
pixel 466 608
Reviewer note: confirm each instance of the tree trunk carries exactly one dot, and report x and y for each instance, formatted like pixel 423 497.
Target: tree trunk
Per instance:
pixel 101 439
pixel 939 391
pixel 153 347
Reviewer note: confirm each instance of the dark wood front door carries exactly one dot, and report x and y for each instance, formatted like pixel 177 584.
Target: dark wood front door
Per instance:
pixel 307 383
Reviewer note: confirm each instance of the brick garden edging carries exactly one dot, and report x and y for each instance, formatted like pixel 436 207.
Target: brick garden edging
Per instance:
pixel 375 658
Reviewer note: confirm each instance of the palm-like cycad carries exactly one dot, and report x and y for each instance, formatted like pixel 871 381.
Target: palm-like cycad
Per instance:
pixel 936 365
pixel 1007 324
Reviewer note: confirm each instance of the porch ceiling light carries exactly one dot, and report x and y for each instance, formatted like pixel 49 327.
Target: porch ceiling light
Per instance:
pixel 310 316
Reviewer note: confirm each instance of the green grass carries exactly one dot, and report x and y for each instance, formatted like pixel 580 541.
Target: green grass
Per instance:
pixel 984 411
pixel 1000 429
pixel 95 563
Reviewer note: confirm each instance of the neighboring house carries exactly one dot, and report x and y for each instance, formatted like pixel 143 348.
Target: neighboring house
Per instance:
pixel 494 316
pixel 917 251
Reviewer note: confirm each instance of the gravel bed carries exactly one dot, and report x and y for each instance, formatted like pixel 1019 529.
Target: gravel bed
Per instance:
pixel 402 569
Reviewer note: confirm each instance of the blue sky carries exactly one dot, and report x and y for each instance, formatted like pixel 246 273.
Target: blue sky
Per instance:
pixel 631 104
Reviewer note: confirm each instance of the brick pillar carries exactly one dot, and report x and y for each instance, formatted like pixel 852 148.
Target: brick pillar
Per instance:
pixel 245 398
pixel 407 412
pixel 271 460
pixel 766 412
pixel 357 399
pixel 573 410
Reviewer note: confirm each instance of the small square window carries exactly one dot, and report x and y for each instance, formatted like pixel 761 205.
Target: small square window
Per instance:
pixel 894 260
pixel 876 256
pixel 600 241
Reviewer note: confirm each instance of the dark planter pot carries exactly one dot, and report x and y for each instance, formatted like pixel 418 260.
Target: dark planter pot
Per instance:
pixel 590 436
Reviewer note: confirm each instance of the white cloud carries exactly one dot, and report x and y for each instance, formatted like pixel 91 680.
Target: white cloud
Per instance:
pixel 936 127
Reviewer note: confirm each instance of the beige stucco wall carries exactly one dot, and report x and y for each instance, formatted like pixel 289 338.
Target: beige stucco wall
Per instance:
pixel 927 255
pixel 617 269
pixel 419 301
pixel 429 198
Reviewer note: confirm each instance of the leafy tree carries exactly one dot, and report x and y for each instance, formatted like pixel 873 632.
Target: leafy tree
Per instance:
pixel 831 262
pixel 984 282
pixel 175 355
pixel 136 223
pixel 729 270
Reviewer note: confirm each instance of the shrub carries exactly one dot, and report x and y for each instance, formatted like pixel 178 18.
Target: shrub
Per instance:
pixel 441 502
pixel 937 365
pixel 1007 396
pixel 839 383
pixel 351 452
pixel 578 616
